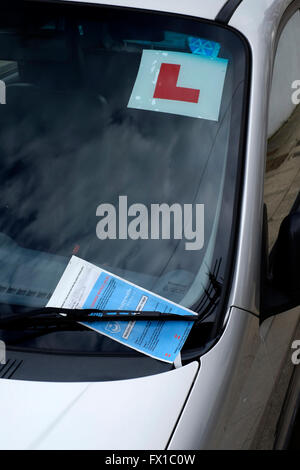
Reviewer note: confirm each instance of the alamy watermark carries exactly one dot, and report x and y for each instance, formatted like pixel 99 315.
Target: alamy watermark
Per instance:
pixel 2 352
pixel 188 222
pixel 2 92
pixel 296 353
pixel 295 97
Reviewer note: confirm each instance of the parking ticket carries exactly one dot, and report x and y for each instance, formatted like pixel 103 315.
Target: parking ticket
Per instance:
pixel 84 285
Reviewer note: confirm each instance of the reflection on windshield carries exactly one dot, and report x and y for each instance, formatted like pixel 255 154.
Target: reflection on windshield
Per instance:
pixel 69 142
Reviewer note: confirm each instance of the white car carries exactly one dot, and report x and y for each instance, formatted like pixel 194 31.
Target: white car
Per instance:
pixel 164 102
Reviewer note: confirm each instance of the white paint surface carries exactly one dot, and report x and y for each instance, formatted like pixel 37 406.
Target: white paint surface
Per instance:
pixel 128 414
pixel 201 8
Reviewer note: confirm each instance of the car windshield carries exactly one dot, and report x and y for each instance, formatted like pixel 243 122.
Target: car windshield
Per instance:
pixel 100 112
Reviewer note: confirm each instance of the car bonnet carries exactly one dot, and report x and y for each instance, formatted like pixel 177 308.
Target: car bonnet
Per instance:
pixel 128 414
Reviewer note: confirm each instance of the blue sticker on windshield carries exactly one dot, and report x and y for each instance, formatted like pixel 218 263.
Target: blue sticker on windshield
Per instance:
pixel 203 47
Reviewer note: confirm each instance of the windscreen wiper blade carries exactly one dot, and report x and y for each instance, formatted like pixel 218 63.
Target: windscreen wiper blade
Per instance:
pixel 55 314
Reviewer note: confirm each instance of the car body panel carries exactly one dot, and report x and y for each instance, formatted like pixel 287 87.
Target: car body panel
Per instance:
pixel 109 415
pixel 235 382
pixel 226 409
pixel 202 8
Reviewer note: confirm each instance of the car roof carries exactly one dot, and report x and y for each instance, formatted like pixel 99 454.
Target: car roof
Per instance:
pixel 208 9
pixel 222 10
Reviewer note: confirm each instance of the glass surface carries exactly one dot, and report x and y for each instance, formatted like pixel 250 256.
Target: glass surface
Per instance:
pixel 69 142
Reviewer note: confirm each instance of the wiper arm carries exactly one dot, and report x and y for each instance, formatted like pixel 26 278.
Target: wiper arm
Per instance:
pixel 59 316
pixel 56 314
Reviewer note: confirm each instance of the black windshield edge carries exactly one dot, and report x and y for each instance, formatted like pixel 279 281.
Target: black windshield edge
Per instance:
pixel 227 11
